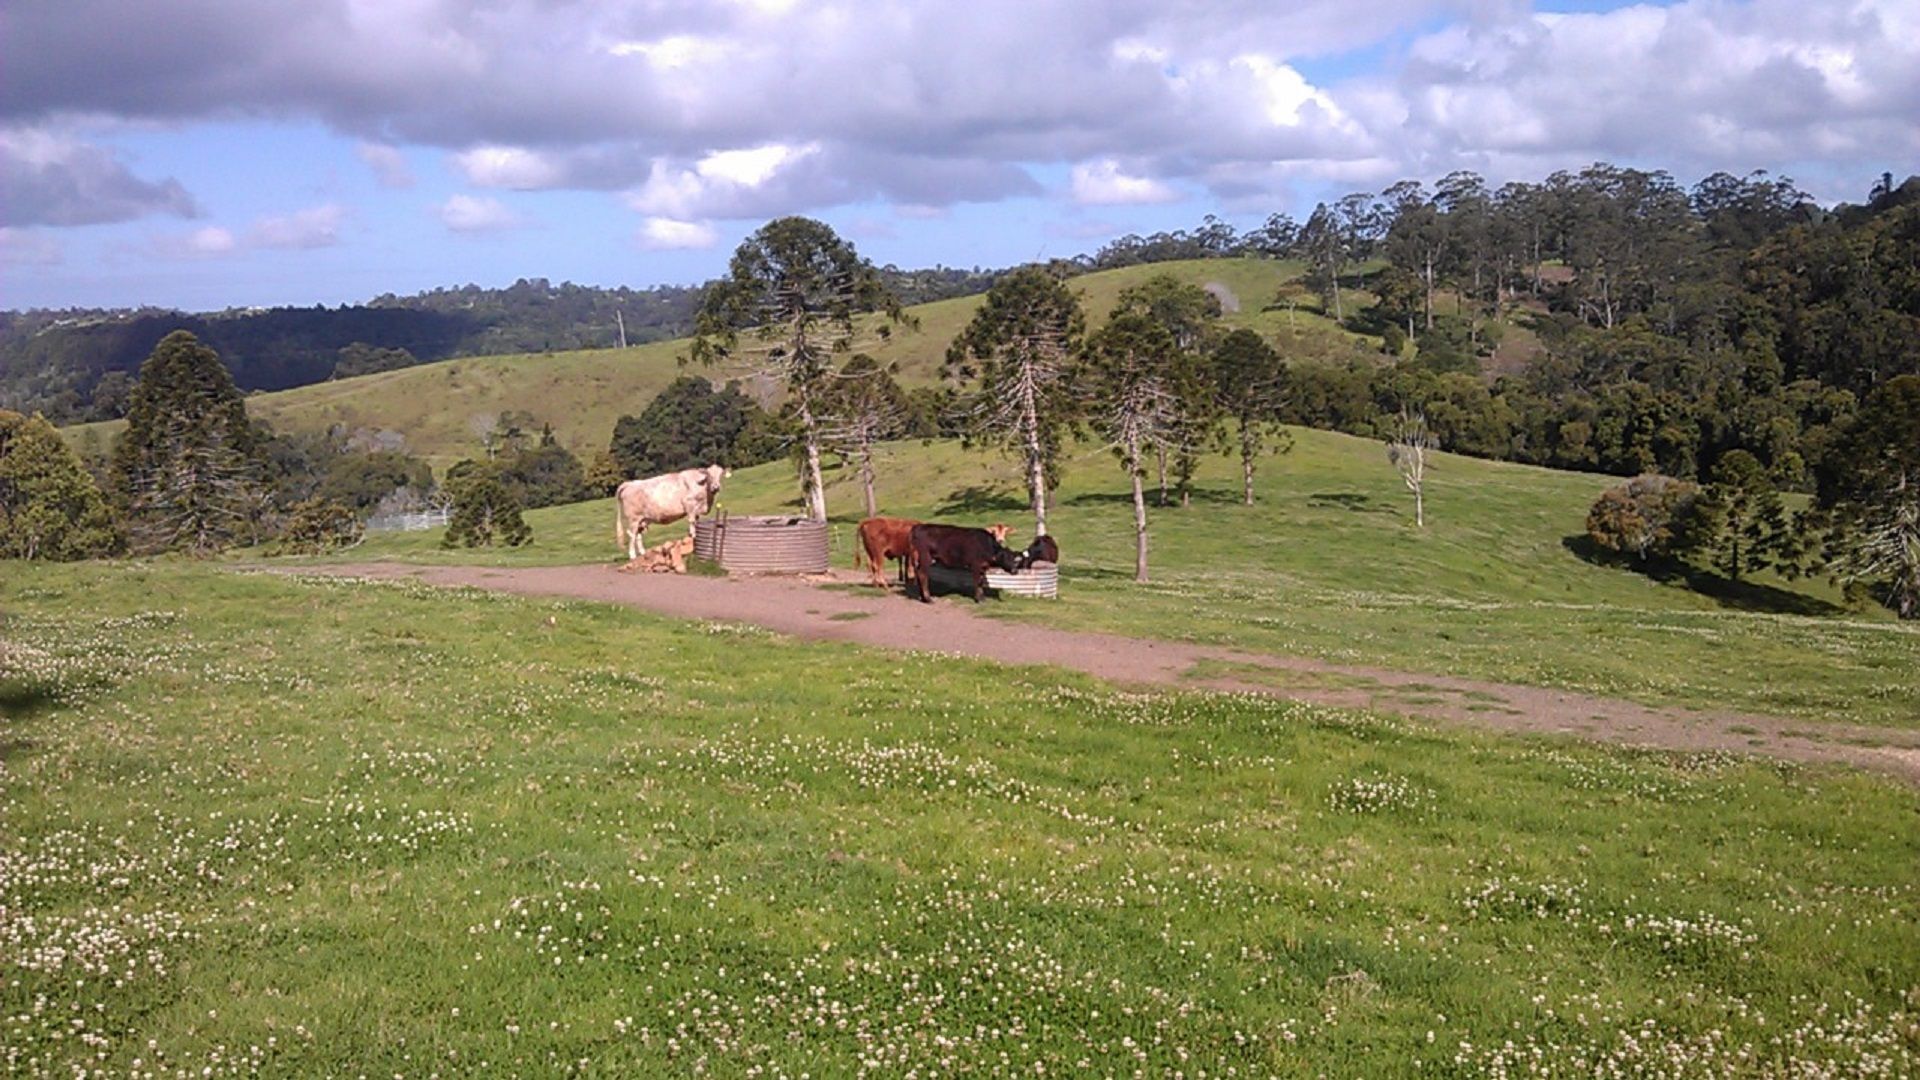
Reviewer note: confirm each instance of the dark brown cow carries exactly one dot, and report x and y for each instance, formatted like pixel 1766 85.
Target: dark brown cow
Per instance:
pixel 972 550
pixel 883 538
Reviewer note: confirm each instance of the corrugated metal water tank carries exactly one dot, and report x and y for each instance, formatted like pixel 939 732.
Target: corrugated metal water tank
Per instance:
pixel 1040 579
pixel 763 545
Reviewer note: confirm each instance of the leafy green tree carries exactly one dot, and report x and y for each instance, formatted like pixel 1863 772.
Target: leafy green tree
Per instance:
pixel 863 405
pixel 1129 371
pixel 361 358
pixel 485 509
pixel 795 287
pixel 1016 356
pixel 1751 519
pixel 544 475
pixel 360 481
pixel 50 507
pixel 687 425
pixel 1870 490
pixel 188 463
pixel 1251 382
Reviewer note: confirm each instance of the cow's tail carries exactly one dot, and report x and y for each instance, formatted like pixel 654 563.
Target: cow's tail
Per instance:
pixel 619 521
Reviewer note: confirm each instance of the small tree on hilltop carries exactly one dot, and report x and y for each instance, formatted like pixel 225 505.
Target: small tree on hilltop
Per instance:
pixel 796 287
pixel 1129 369
pixel 50 506
pixel 485 509
pixel 1250 380
pixel 1016 358
pixel 188 462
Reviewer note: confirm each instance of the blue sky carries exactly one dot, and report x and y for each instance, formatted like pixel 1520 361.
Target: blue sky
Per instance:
pixel 204 154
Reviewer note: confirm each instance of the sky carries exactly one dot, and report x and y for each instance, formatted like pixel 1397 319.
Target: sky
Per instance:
pixel 212 154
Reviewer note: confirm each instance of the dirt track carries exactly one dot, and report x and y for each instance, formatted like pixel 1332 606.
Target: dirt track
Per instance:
pixel 888 620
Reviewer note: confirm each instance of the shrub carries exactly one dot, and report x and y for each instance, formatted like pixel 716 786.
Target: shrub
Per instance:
pixel 1649 516
pixel 485 510
pixel 320 525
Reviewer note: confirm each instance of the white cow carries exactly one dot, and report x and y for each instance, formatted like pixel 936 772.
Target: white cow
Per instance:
pixel 657 500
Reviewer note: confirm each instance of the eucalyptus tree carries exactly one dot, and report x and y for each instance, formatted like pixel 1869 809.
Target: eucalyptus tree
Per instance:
pixel 1015 359
pixel 788 304
pixel 1129 370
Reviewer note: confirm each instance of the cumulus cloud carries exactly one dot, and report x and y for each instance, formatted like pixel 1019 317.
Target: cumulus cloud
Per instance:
pixel 47 178
pixel 206 242
pixel 704 111
pixel 389 165
pixel 666 234
pixel 314 227
pixel 470 213
pixel 1101 183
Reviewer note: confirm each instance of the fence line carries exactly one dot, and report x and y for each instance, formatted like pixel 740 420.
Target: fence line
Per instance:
pixel 421 519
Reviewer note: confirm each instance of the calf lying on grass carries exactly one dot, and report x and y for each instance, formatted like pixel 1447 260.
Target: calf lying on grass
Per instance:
pixel 959 548
pixel 663 559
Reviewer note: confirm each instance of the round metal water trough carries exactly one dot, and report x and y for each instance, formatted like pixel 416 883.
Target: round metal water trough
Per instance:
pixel 1040 579
pixel 763 545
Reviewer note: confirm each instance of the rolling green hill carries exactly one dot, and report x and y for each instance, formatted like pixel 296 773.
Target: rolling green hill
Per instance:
pixel 582 393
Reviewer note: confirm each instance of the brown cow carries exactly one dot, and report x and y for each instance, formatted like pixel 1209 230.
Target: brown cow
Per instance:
pixel 883 538
pixel 960 548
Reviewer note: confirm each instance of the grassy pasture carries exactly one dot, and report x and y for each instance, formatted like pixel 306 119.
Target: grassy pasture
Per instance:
pixel 251 824
pixel 582 393
pixel 1328 564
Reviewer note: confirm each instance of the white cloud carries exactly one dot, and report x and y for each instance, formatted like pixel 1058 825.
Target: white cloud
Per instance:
pixel 314 227
pixel 507 167
pixel 666 234
pixel 49 177
pixel 722 183
pixel 469 213
pixel 389 165
pixel 1101 183
pixel 206 242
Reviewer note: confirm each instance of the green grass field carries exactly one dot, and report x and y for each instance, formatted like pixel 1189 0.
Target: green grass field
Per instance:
pixel 582 393
pixel 264 825
pixel 1328 564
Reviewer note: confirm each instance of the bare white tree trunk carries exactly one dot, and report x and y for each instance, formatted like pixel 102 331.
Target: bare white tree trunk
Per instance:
pixel 866 478
pixel 816 486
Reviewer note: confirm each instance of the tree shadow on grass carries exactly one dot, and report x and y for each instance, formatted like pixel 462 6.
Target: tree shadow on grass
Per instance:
pixel 24 701
pixel 1200 496
pixel 1348 500
pixel 1737 595
pixel 979 499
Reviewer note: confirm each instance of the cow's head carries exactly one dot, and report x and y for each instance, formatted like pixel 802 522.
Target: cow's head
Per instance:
pixel 714 474
pixel 999 533
pixel 1006 558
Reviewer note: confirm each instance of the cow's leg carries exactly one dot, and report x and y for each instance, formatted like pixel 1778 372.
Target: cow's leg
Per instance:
pixel 979 583
pixel 921 579
pixel 637 541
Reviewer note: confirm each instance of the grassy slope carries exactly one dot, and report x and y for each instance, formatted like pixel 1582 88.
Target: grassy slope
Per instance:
pixel 319 829
pixel 1327 564
pixel 583 393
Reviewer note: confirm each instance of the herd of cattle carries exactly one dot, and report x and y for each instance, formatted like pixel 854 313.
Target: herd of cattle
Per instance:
pixel 918 545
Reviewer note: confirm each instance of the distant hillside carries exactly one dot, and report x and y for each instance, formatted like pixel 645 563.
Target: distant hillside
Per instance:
pixel 54 361
pixel 582 392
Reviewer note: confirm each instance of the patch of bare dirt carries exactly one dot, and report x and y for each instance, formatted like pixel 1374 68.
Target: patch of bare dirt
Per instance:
pixel 886 619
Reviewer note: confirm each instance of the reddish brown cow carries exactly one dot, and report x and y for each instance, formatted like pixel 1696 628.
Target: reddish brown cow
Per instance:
pixel 883 538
